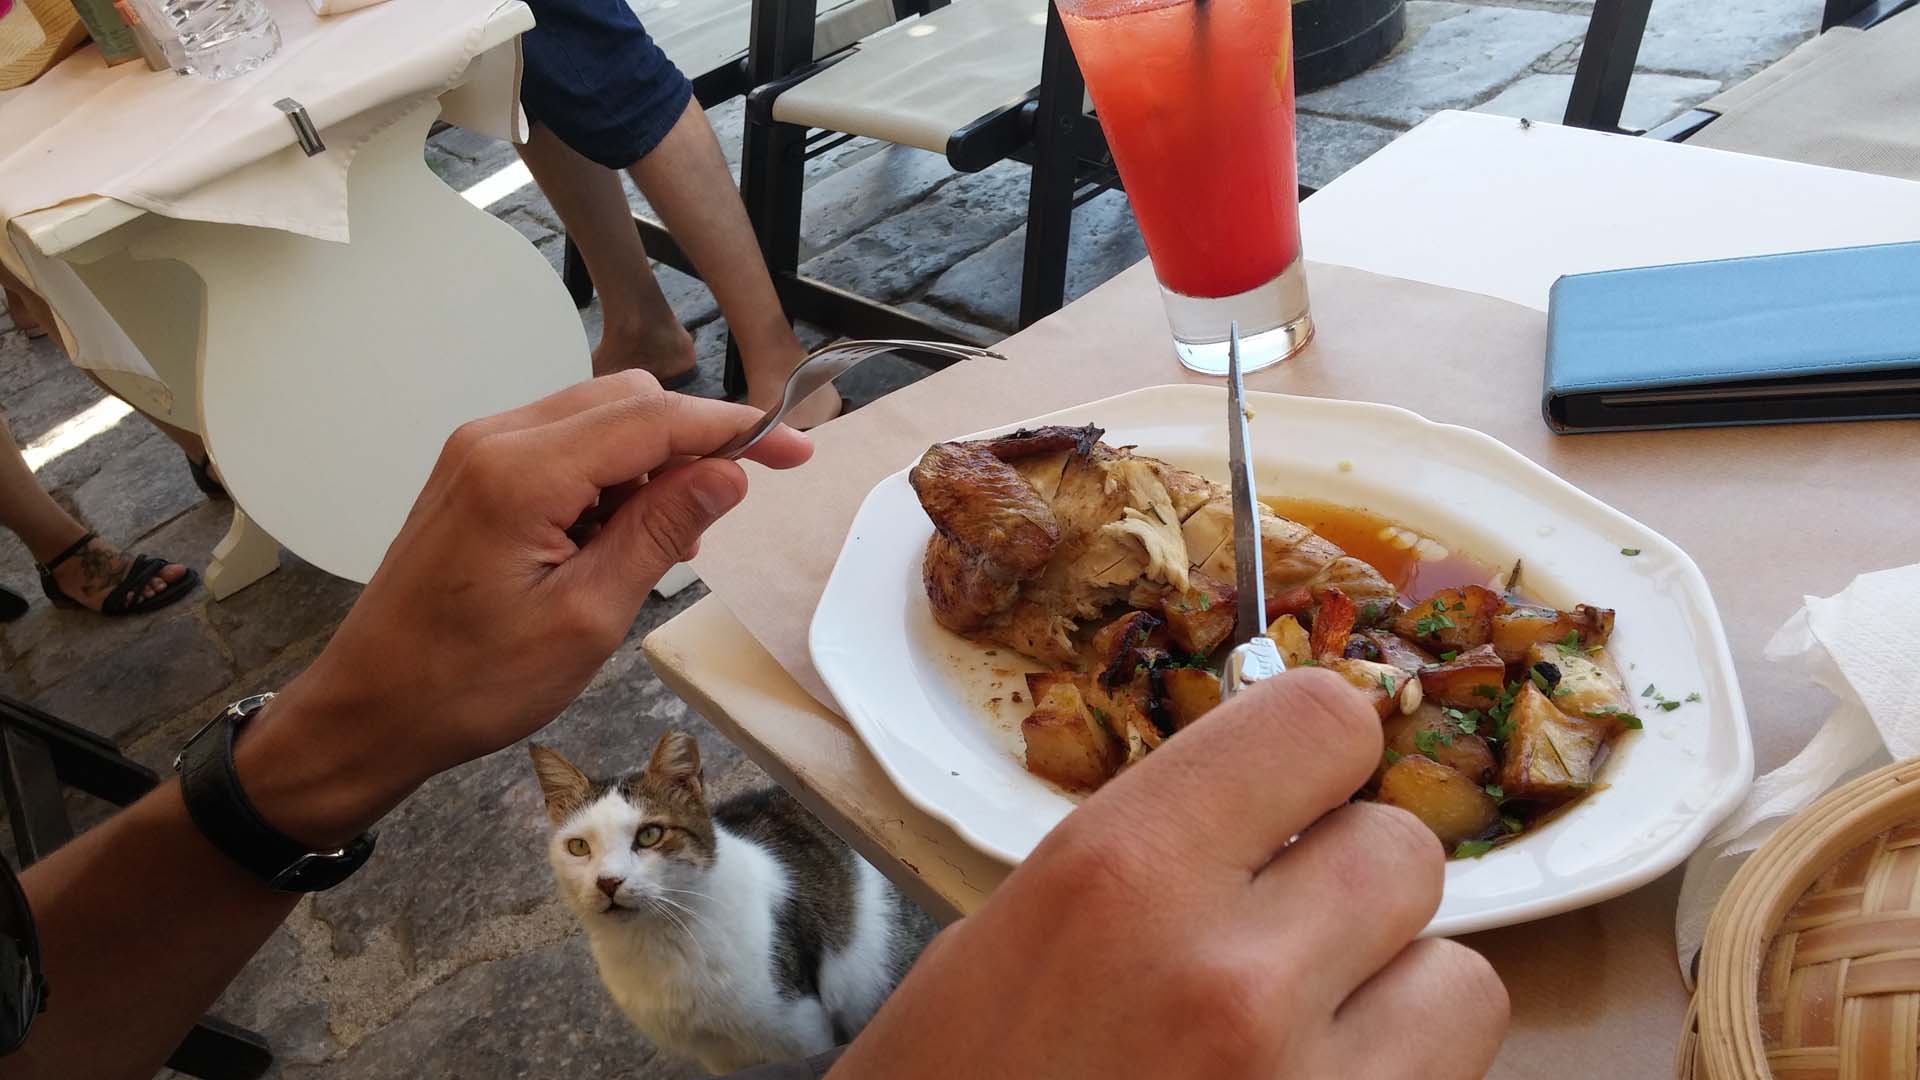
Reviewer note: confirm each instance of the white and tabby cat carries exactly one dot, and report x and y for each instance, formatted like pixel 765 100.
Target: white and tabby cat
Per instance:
pixel 735 935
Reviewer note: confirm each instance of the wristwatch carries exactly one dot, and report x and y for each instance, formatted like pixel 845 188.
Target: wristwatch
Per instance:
pixel 221 811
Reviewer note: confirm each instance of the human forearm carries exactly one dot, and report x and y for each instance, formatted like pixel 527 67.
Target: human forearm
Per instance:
pixel 121 910
pixel 313 770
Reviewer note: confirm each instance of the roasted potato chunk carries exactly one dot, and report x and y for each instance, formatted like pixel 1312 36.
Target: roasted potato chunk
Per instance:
pixel 1115 650
pixel 1295 645
pixel 1450 804
pixel 1120 707
pixel 1202 617
pixel 1520 628
pixel 1471 680
pixel 1430 733
pixel 1550 756
pixel 1580 687
pixel 1393 649
pixel 1065 744
pixel 1187 694
pixel 1456 619
pixel 1388 689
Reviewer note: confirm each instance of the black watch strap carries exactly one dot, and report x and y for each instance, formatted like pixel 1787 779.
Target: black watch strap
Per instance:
pixel 220 809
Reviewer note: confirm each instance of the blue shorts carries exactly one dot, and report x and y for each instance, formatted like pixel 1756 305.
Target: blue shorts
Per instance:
pixel 592 76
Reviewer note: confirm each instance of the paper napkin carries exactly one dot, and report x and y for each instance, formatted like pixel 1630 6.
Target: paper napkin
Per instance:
pixel 1862 645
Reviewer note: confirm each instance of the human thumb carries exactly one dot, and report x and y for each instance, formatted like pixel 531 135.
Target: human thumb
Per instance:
pixel 662 523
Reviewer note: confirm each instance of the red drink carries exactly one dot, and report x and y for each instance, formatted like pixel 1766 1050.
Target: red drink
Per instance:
pixel 1196 98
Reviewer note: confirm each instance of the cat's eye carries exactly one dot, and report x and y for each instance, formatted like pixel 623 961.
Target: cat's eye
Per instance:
pixel 648 836
pixel 578 847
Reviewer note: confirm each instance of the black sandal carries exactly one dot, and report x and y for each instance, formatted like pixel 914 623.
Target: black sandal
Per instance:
pixel 203 479
pixel 126 597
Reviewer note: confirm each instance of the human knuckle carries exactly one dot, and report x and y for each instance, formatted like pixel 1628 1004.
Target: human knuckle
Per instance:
pixel 672 528
pixel 1467 980
pixel 1236 1001
pixel 1332 720
pixel 1386 848
pixel 637 383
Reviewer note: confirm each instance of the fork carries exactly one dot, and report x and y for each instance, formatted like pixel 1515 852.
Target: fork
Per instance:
pixel 828 364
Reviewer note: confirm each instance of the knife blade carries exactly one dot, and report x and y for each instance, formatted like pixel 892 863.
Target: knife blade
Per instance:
pixel 1249 578
pixel 1254 656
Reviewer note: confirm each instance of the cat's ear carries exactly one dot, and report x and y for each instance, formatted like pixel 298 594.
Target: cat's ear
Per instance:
pixel 564 787
pixel 676 762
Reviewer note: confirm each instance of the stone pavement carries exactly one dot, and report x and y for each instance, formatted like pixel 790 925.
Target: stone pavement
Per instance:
pixel 448 956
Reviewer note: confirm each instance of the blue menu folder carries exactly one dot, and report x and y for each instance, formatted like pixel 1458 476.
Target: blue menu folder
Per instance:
pixel 1769 339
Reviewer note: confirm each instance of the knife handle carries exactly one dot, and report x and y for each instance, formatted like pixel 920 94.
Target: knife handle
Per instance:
pixel 1255 661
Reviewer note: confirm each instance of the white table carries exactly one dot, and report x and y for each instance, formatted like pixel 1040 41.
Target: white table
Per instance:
pixel 1477 202
pixel 1596 992
pixel 325 377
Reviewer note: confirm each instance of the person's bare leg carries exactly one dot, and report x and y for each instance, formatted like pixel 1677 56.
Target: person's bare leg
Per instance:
pixel 32 515
pixel 639 326
pixel 684 178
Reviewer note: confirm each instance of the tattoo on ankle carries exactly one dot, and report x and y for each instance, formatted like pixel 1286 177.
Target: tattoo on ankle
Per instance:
pixel 101 568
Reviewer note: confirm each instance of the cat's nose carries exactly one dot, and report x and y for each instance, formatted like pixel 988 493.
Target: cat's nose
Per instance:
pixel 609 885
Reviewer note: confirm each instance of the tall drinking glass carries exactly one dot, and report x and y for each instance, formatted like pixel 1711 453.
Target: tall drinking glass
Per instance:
pixel 1196 98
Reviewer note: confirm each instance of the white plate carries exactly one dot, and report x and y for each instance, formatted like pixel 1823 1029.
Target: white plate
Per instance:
pixel 918 695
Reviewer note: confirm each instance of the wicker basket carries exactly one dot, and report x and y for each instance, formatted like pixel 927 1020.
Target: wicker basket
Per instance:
pixel 1811 966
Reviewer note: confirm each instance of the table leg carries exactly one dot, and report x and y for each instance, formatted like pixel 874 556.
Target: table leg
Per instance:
pixel 676 580
pixel 243 556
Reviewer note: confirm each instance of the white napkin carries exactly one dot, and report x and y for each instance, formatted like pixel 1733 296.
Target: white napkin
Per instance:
pixel 1861 645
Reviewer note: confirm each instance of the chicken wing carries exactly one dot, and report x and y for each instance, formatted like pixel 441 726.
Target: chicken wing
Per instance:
pixel 993 531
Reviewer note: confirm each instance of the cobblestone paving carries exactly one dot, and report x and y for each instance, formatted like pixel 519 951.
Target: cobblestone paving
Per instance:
pixel 448 956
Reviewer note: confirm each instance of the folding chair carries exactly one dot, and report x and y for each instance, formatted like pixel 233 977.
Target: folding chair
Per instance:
pixel 39 755
pixel 707 39
pixel 1846 98
pixel 978 81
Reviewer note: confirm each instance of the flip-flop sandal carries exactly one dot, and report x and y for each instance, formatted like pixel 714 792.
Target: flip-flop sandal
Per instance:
pixel 685 378
pixel 203 479
pixel 127 597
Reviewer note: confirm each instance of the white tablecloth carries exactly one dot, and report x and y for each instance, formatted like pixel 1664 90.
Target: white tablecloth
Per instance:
pixel 196 149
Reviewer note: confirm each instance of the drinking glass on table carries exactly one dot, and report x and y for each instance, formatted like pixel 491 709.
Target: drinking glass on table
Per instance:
pixel 1196 99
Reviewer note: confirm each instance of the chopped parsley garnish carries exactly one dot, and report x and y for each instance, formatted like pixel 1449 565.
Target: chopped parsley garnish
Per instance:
pixel 1447 657
pixel 1467 722
pixel 1629 552
pixel 1483 690
pixel 1512 824
pixel 1695 696
pixel 1562 691
pixel 1458 605
pixel 1494 791
pixel 1570 643
pixel 1628 720
pixel 1205 601
pixel 1539 680
pixel 1429 625
pixel 1309 662
pixel 1472 849
pixel 1424 741
pixel 1372 611
pixel 1098 714
pixel 1649 691
pixel 1387 684
pixel 1667 706
pixel 1393 755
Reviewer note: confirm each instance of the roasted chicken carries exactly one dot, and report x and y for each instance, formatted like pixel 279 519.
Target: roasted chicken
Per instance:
pixel 1040 532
